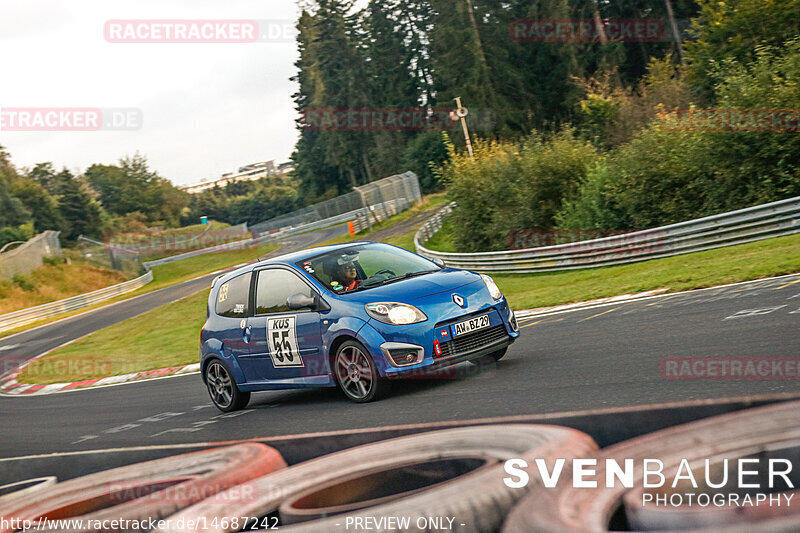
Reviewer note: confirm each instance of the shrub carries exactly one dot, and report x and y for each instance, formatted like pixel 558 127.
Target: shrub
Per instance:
pixel 509 186
pixel 52 260
pixel 664 176
pixel 595 205
pixel 23 282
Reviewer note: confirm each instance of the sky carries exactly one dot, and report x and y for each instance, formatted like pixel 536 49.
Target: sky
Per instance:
pixel 205 108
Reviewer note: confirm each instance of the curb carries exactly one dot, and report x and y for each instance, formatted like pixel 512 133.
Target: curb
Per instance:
pixel 9 386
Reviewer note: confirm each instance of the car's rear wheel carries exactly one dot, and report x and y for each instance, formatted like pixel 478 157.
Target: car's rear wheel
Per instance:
pixel 222 388
pixel 356 373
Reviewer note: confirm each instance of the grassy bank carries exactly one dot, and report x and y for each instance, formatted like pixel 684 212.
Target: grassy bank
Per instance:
pixel 442 240
pixel 168 336
pixel 54 281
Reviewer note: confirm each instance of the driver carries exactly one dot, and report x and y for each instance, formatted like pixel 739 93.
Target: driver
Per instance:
pixel 346 273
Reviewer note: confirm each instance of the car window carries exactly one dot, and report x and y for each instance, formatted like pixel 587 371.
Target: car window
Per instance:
pixel 361 267
pixel 273 288
pixel 233 297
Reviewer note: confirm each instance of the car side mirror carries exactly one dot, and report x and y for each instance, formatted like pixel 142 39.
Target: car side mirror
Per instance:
pixel 300 301
pixel 439 263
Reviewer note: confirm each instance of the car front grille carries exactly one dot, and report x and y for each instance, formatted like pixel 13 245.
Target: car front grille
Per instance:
pixel 472 341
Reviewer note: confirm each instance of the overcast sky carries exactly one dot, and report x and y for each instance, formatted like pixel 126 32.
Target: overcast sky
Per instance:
pixel 207 108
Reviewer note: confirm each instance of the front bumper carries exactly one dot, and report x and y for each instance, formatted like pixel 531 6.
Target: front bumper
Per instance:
pixel 437 345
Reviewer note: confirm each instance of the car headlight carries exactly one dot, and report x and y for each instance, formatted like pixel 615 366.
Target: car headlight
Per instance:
pixel 494 291
pixel 394 313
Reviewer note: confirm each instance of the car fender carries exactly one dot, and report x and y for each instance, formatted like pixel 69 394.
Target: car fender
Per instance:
pixel 212 349
pixel 359 329
pixel 372 340
pixel 346 325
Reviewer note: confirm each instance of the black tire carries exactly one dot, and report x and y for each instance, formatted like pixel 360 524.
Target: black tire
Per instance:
pixel 356 373
pixel 490 358
pixel 479 499
pixel 731 435
pixel 102 497
pixel 222 388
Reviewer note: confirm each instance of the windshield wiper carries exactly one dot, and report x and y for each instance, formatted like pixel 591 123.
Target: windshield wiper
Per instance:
pixel 367 284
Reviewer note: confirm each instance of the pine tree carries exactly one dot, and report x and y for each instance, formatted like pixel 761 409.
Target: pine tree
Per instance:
pixel 81 213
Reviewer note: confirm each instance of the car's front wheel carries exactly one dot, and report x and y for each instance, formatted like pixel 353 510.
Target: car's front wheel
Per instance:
pixel 222 388
pixel 356 373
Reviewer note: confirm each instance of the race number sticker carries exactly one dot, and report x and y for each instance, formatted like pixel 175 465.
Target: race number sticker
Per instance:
pixel 282 336
pixel 223 293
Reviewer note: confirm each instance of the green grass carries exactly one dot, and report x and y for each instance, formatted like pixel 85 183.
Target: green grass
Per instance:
pixel 164 337
pixel 186 269
pixel 770 257
pixel 442 240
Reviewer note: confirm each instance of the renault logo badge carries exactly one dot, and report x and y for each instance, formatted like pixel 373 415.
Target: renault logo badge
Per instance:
pixel 458 300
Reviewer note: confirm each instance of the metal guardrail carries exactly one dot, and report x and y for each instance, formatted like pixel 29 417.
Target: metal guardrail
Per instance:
pixel 32 314
pixel 736 227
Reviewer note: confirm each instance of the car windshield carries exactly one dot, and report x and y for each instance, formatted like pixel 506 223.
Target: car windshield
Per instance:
pixel 362 267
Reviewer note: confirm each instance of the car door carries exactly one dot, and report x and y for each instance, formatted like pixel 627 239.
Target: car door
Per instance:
pixel 232 327
pixel 286 343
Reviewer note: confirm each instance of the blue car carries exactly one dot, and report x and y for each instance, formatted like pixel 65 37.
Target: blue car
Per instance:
pixel 351 315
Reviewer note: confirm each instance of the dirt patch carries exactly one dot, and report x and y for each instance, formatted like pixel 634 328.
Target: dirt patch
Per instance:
pixel 401 228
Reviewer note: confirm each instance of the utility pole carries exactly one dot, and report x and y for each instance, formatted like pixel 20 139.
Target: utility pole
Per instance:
pixel 462 112
pixel 675 33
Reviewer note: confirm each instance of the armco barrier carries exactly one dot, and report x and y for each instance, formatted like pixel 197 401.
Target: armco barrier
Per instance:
pixel 737 227
pixel 32 314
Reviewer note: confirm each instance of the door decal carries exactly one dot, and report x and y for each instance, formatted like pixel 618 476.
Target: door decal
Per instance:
pixel 282 339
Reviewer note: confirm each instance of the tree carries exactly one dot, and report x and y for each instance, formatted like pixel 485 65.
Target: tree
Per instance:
pixel 42 206
pixel 12 211
pixel 82 214
pixel 131 186
pixel 315 175
pixel 733 30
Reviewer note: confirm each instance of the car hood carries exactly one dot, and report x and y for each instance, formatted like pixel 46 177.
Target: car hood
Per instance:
pixel 409 290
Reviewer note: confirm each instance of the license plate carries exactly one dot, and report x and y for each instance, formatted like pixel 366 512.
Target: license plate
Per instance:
pixel 473 324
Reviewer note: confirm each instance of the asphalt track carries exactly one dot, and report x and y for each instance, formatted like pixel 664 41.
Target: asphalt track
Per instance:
pixel 609 356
